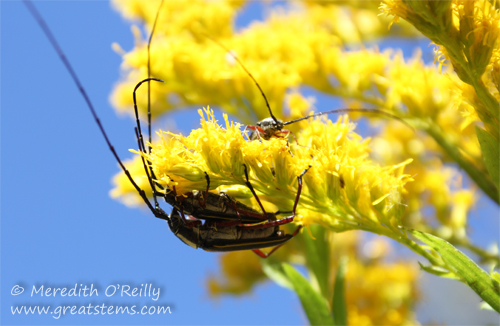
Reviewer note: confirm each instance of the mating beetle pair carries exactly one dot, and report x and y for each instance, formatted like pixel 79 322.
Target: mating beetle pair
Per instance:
pixel 224 231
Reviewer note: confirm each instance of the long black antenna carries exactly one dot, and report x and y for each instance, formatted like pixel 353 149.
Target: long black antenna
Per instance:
pixel 150 174
pixel 34 12
pixel 149 75
pixel 346 110
pixel 246 70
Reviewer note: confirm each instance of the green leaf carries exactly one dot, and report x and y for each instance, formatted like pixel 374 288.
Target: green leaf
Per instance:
pixel 276 273
pixel 317 255
pixel 439 271
pixel 495 276
pixel 490 149
pixel 477 279
pixel 339 302
pixel 314 304
pixel 485 306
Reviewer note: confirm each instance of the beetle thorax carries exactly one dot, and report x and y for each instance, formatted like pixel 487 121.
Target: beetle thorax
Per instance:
pixel 270 127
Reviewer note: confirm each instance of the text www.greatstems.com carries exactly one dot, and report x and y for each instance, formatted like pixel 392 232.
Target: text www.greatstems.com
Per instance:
pixel 89 310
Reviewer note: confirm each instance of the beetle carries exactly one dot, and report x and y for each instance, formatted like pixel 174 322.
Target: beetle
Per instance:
pixel 219 211
pixel 215 238
pixel 269 127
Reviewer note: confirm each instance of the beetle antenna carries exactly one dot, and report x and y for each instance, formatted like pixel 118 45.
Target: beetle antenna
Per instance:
pixel 153 186
pixel 140 139
pixel 376 111
pixel 246 70
pixel 149 74
pixel 136 111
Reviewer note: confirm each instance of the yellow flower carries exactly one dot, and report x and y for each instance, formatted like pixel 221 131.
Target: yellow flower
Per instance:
pixel 299 45
pixel 479 24
pixel 436 187
pixel 178 17
pixel 380 294
pixel 342 190
pixel 462 203
pixel 124 190
pixel 467 33
pixel 240 270
pixel 493 73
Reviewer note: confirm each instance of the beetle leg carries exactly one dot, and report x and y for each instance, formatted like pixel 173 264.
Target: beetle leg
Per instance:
pixel 227 223
pixel 249 185
pixel 192 223
pixel 285 220
pixel 257 131
pixel 233 205
pixel 286 132
pixel 203 203
pixel 262 254
pixel 282 221
pixel 182 215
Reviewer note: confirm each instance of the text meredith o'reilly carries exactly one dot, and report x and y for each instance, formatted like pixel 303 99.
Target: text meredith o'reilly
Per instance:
pixel 122 290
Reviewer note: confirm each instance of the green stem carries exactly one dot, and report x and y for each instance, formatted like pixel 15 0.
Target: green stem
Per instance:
pixel 462 62
pixel 403 239
pixel 488 100
pixel 452 149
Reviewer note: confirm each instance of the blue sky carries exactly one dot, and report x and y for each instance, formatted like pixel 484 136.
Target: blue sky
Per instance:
pixel 59 227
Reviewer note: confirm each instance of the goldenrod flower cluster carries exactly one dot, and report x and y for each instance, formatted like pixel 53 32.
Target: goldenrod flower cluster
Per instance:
pixel 288 49
pixel 467 34
pixel 342 190
pixel 381 293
